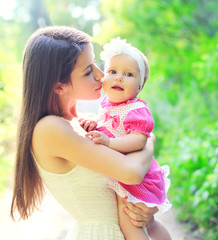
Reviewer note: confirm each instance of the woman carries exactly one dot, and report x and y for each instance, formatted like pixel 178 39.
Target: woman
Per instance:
pixel 59 69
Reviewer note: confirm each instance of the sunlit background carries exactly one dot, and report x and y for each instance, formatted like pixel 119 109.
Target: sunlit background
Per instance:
pixel 7 8
pixel 180 40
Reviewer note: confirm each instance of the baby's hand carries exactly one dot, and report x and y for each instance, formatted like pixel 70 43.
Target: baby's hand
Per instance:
pixel 88 125
pixel 99 138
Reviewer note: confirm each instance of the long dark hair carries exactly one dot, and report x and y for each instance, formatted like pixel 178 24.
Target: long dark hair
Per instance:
pixel 50 56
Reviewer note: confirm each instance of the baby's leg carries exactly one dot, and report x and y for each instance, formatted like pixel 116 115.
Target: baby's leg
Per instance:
pixel 130 231
pixel 157 231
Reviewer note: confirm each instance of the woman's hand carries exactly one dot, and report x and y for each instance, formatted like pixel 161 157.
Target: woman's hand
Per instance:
pixel 139 213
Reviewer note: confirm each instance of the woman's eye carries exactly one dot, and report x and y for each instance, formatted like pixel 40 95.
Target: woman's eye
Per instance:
pixel 112 72
pixel 89 72
pixel 129 74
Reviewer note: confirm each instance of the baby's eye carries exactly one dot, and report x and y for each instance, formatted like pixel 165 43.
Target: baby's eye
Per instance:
pixel 129 74
pixel 112 72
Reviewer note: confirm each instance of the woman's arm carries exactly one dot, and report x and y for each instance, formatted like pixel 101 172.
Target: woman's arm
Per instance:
pixel 131 142
pixel 55 137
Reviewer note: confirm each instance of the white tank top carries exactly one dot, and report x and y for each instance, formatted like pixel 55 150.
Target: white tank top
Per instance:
pixel 86 196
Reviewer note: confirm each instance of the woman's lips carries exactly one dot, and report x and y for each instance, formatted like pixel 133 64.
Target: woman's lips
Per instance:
pixel 99 88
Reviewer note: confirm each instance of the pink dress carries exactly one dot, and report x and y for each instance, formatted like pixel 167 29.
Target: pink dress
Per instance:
pixel 119 119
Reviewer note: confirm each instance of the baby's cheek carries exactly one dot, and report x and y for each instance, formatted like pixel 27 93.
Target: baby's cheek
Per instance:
pixel 105 84
pixel 107 78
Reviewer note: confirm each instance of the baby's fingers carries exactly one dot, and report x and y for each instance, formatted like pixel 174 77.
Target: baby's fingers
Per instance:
pixel 91 127
pixel 86 125
pixel 99 140
pixel 81 119
pixel 92 135
pixel 82 122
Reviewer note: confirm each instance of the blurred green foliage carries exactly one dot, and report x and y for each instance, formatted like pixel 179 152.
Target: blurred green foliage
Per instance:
pixel 180 39
pixel 9 84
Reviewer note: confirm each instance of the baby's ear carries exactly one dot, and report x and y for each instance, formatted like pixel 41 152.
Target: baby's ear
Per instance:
pixel 139 89
pixel 59 88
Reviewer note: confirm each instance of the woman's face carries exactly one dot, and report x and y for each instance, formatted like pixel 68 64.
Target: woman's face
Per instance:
pixel 86 77
pixel 122 78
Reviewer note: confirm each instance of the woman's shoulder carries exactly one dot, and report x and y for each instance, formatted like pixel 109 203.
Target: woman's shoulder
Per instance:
pixel 51 125
pixel 47 140
pixel 51 121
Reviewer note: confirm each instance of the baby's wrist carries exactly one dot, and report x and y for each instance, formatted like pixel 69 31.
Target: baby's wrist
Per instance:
pixel 108 142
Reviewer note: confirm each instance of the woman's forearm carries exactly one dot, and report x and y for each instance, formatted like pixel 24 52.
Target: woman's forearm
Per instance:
pixel 78 150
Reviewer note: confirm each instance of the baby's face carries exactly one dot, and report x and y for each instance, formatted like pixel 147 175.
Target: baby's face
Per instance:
pixel 122 78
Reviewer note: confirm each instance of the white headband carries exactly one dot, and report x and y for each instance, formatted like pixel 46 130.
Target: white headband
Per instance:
pixel 117 46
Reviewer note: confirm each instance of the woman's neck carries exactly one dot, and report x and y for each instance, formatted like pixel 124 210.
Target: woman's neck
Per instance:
pixel 69 111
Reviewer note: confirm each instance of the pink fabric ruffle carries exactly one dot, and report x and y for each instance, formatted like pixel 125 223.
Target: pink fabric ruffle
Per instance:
pixel 151 191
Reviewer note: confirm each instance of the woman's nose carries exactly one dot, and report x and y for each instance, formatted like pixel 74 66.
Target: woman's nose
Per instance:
pixel 98 74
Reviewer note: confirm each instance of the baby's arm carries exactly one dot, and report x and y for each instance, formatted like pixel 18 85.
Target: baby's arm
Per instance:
pixel 131 142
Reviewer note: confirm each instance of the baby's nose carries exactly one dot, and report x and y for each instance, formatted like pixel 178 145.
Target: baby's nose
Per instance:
pixel 119 78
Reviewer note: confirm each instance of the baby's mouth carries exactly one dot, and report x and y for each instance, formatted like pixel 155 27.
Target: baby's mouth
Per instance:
pixel 117 88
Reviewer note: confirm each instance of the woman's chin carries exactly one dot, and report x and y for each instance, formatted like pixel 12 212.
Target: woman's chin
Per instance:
pixel 95 97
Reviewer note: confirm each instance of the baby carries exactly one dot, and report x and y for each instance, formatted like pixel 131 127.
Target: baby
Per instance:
pixel 124 125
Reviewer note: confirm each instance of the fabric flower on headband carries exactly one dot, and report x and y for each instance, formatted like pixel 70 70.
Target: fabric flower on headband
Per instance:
pixel 114 47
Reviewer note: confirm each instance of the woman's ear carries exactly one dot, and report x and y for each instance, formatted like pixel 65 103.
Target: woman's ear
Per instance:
pixel 59 88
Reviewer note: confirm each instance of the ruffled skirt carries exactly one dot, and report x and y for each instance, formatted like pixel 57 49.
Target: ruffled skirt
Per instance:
pixel 151 191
